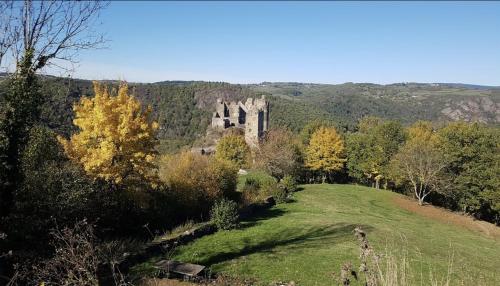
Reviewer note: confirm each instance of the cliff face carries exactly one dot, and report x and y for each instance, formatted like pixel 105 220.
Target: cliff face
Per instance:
pixel 481 109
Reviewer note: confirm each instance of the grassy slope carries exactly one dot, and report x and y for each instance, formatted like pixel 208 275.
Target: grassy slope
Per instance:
pixel 306 240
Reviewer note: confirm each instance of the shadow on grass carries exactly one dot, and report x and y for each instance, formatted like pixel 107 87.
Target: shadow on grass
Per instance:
pixel 260 216
pixel 299 189
pixel 292 238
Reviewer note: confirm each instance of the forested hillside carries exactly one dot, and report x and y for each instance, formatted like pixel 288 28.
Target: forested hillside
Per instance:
pixel 183 108
pixel 408 103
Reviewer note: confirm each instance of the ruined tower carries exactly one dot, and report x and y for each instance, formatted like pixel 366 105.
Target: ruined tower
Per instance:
pixel 253 117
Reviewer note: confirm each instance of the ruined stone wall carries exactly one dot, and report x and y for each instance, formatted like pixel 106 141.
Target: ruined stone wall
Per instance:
pixel 253 116
pixel 257 120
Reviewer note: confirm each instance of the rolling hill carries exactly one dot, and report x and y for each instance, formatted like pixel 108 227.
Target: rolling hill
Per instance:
pixel 306 240
pixel 184 108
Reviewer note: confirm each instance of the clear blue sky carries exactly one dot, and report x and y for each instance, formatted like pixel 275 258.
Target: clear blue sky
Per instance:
pixel 321 42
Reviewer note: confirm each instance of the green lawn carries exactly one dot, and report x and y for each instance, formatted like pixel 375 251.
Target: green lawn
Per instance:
pixel 308 239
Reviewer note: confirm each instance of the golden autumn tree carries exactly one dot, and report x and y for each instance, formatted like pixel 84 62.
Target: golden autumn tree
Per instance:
pixel 116 139
pixel 326 152
pixel 234 149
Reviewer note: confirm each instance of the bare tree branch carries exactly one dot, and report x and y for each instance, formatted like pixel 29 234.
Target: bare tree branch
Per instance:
pixel 7 19
pixel 51 29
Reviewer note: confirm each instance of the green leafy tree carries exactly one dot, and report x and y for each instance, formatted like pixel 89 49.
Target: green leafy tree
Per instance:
pixel 38 33
pixel 371 148
pixel 472 151
pixel 22 104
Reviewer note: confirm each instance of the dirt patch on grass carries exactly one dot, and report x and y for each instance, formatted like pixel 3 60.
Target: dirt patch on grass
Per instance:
pixel 448 217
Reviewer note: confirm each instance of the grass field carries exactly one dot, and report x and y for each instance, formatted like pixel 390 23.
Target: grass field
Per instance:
pixel 308 239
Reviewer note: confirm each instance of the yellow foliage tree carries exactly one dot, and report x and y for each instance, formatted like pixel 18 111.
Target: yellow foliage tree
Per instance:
pixel 233 148
pixel 117 138
pixel 422 131
pixel 326 152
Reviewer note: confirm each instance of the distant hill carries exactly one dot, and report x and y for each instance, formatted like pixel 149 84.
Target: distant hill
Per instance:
pixel 184 108
pixel 407 102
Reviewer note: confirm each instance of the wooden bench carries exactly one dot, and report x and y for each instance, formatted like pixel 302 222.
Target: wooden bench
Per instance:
pixel 187 270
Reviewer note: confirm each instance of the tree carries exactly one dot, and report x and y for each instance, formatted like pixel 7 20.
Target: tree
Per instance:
pixel 51 30
pixel 36 33
pixel 233 148
pixel 325 152
pixel 311 127
pixel 21 112
pixel 472 151
pixel 370 149
pixel 279 154
pixel 419 162
pixel 6 21
pixel 117 140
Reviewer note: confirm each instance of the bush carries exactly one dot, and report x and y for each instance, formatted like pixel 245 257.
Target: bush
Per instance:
pixel 289 183
pixel 197 181
pixel 224 214
pixel 251 185
pixel 258 186
pixel 250 191
pixel 276 190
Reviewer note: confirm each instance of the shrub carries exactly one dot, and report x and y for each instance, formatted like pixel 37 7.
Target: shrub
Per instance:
pixel 76 258
pixel 250 191
pixel 289 183
pixel 251 185
pixel 224 214
pixel 196 180
pixel 223 175
pixel 276 190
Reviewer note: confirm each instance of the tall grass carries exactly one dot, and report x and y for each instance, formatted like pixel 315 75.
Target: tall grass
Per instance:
pixel 398 266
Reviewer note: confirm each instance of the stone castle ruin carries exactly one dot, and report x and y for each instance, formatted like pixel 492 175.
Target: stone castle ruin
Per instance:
pixel 252 116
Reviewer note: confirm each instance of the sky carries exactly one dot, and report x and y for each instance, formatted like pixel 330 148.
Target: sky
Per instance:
pixel 314 42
